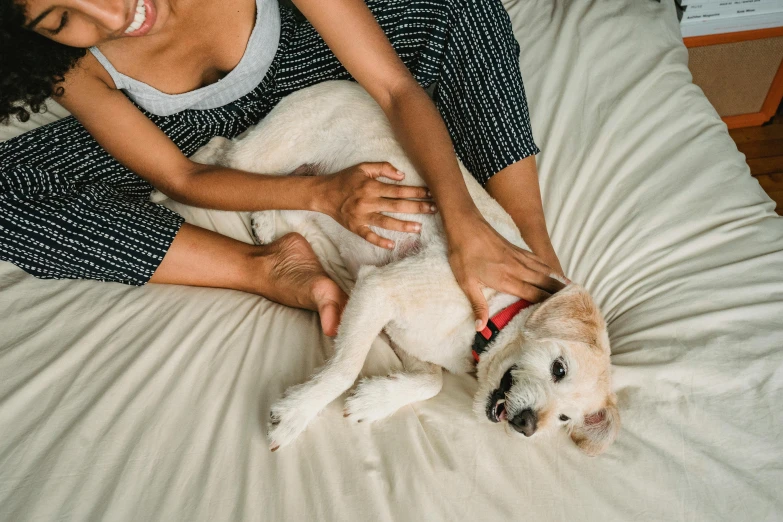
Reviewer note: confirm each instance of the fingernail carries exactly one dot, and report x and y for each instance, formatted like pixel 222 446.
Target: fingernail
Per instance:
pixel 478 325
pixel 416 227
pixel 401 173
pixel 433 208
pixel 429 194
pixel 389 245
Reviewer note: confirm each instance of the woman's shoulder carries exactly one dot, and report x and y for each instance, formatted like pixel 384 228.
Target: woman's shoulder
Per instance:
pixel 87 71
pixel 83 82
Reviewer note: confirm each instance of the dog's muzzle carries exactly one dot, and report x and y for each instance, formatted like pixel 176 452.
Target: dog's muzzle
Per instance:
pixel 525 422
pixel 496 405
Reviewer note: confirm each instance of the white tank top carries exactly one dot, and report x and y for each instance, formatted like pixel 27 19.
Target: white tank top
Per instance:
pixel 246 76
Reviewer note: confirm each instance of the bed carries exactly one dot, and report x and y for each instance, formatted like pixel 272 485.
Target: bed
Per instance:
pixel 120 403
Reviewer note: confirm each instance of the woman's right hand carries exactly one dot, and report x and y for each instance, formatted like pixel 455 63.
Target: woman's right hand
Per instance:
pixel 355 198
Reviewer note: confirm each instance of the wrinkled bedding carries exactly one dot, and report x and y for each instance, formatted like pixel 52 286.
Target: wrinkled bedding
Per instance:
pixel 120 403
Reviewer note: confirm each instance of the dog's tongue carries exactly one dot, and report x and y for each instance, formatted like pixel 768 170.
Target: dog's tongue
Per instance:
pixel 502 415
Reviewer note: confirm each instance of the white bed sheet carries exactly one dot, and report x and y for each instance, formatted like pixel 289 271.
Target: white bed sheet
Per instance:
pixel 120 403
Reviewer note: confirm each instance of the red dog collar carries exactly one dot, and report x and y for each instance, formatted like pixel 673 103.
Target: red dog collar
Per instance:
pixel 494 326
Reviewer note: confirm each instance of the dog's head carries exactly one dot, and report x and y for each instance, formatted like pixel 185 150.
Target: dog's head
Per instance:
pixel 550 369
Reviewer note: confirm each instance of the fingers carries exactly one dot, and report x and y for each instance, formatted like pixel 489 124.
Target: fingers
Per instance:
pixel 539 275
pixel 386 190
pixel 552 285
pixel 404 192
pixel 375 239
pixel 524 283
pixel 545 282
pixel 478 303
pixel 525 290
pixel 540 272
pixel 405 206
pixel 390 223
pixel 384 169
pixel 534 262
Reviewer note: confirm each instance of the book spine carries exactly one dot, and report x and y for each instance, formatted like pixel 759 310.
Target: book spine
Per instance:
pixel 721 5
pixel 731 25
pixel 736 9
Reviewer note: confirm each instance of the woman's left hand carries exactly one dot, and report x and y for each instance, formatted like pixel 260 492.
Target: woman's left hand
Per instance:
pixel 480 257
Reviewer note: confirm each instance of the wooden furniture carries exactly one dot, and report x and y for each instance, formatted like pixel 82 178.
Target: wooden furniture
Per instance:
pixel 763 150
pixel 740 73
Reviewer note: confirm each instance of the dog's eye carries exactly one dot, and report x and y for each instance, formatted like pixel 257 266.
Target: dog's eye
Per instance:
pixel 558 369
pixel 564 418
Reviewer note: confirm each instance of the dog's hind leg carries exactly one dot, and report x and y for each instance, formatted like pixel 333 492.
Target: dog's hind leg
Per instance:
pixel 378 397
pixel 214 152
pixel 263 226
pixel 369 309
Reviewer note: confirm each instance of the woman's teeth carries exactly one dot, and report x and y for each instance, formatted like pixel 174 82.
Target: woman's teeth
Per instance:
pixel 138 20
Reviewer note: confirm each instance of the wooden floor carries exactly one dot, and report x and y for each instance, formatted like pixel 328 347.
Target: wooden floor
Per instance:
pixel 763 149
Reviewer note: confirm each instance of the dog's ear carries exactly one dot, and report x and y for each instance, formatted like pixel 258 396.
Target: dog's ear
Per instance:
pixel 570 315
pixel 598 430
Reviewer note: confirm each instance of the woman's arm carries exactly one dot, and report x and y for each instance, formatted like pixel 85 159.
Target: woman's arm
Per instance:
pixel 519 194
pixel 478 255
pixel 137 143
pixel 353 197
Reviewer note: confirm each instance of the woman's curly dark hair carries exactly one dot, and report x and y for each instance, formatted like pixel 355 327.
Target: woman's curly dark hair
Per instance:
pixel 31 66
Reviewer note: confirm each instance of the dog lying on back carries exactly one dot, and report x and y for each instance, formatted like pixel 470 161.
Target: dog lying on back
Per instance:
pixel 546 368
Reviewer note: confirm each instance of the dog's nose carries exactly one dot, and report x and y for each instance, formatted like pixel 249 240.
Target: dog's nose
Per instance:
pixel 524 422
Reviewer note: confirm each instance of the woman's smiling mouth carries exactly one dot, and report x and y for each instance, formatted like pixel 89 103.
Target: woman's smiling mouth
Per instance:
pixel 143 19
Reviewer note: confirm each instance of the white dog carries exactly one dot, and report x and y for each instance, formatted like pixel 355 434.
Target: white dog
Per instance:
pixel 548 365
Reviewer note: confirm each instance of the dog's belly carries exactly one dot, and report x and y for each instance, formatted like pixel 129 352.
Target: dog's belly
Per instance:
pixel 357 252
pixel 453 354
pixel 441 336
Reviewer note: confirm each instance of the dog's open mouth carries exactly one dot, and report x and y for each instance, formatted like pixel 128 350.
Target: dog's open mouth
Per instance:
pixel 496 405
pixel 499 411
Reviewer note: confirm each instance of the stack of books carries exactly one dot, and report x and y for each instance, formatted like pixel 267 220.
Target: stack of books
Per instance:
pixel 703 17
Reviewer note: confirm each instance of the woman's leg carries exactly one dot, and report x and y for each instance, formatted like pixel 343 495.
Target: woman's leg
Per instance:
pixel 55 224
pixel 55 230
pixel 286 271
pixel 69 210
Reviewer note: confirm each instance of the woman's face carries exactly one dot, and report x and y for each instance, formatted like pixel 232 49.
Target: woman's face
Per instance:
pixel 84 23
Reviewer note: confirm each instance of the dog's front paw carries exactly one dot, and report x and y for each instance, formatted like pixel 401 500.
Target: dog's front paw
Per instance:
pixel 373 399
pixel 288 418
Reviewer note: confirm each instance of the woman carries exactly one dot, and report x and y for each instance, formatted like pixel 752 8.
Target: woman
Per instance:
pixel 148 82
